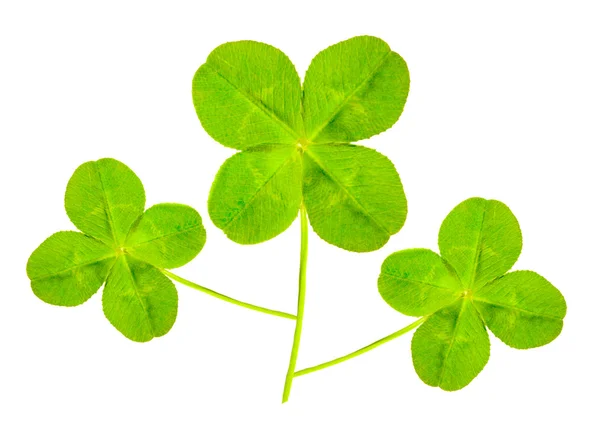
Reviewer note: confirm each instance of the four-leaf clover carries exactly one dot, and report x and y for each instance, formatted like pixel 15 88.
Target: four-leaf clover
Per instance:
pixel 296 142
pixel 120 244
pixel 467 288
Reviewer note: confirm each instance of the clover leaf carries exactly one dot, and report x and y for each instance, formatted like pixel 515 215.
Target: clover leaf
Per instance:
pixel 296 141
pixel 466 289
pixel 120 245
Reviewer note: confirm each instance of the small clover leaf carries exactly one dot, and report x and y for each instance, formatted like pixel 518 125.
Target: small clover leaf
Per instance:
pixel 122 246
pixel 468 288
pixel 296 141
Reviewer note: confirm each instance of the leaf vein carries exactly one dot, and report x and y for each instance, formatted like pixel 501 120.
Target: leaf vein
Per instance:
pixel 509 307
pixel 260 188
pixel 416 281
pixel 272 115
pixel 193 227
pixel 352 94
pixel 452 341
pixel 137 294
pixel 343 188
pixel 61 272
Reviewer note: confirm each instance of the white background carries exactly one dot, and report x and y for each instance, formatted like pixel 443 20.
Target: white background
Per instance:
pixel 504 104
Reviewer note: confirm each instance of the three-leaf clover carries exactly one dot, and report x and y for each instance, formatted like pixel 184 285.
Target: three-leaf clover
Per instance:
pixel 120 245
pixel 467 288
pixel 296 141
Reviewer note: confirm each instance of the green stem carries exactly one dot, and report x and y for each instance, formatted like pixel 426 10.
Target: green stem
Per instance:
pixel 362 350
pixel 226 298
pixel 301 294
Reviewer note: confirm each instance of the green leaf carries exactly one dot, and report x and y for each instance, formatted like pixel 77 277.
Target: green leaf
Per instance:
pixel 248 93
pixel 257 193
pixel 522 309
pixel 139 300
pixel 481 239
pixel 451 347
pixel 353 196
pixel 354 90
pixel 103 199
pixel 68 268
pixel 247 96
pixel 167 236
pixel 106 200
pixel 418 282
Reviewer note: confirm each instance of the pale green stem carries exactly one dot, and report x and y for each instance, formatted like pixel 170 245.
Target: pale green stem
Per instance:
pixel 226 298
pixel 362 350
pixel 301 294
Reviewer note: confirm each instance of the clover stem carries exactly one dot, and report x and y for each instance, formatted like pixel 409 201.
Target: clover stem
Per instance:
pixel 362 350
pixel 227 298
pixel 301 294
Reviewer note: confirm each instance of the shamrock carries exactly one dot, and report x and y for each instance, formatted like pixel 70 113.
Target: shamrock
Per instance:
pixel 296 142
pixel 120 245
pixel 467 288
